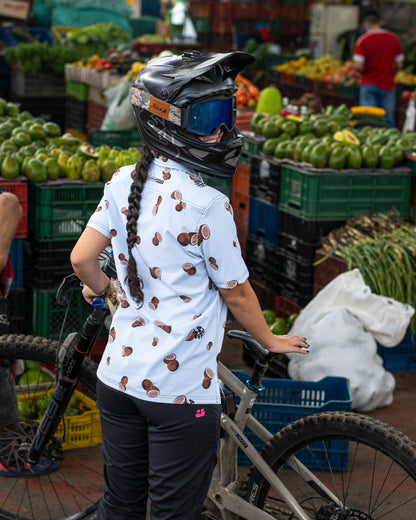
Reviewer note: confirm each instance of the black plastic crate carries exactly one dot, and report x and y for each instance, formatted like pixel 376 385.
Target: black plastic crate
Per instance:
pixel 260 262
pixel 47 262
pixel 18 311
pixel 294 277
pixel 265 178
pixel 49 108
pixel 302 237
pixel 76 114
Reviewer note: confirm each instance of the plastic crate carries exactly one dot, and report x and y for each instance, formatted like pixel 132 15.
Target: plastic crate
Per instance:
pixel 294 277
pixel 77 90
pixel 260 262
pixel 116 138
pixel 80 431
pixel 348 91
pixel 241 179
pixel 221 184
pixel 40 84
pixel 240 203
pixel 263 222
pixel 265 178
pixel 252 143
pixel 284 401
pixel 61 211
pixel 402 357
pixel 285 307
pixel 19 188
pixel 16 259
pixel 325 195
pixel 47 262
pixel 327 270
pixel 96 115
pixel 302 237
pixel 11 38
pixel 76 114
pixel 49 108
pixel 46 317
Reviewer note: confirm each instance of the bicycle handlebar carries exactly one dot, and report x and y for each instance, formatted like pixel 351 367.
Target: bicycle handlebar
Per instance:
pixel 250 342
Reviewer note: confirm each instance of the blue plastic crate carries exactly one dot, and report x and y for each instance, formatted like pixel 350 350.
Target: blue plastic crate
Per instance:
pixel 16 258
pixel 263 222
pixel 12 36
pixel 284 401
pixel 402 357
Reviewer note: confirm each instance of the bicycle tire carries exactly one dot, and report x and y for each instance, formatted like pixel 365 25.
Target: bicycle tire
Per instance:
pixel 368 464
pixel 75 487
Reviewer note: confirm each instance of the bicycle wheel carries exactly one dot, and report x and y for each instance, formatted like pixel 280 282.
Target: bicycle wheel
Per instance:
pixel 67 482
pixel 369 465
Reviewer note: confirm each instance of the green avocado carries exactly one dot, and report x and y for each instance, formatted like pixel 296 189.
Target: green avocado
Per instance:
pixel 337 158
pixel 279 151
pixel 290 149
pixel 306 152
pixel 319 155
pixel 369 157
pixel 386 158
pixel 354 159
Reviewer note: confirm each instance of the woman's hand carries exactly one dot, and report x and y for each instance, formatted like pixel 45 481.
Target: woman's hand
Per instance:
pixel 286 343
pixel 89 295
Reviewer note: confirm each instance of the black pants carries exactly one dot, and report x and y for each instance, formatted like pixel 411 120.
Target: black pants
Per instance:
pixel 166 452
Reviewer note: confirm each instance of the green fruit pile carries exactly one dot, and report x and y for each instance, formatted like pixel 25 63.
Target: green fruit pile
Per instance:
pixel 277 324
pixel 36 149
pixel 326 141
pixel 33 406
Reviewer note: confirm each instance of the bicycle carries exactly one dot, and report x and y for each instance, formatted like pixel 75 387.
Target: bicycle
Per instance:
pixel 52 481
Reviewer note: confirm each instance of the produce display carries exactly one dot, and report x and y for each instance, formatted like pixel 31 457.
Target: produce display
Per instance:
pixel 121 62
pixel 33 406
pixel 383 248
pixel 247 93
pixel 36 149
pixel 338 139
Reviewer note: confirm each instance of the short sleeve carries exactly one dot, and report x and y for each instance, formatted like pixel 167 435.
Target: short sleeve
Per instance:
pixel 220 246
pixel 99 220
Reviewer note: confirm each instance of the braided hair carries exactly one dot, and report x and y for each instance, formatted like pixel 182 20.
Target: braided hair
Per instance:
pixel 139 176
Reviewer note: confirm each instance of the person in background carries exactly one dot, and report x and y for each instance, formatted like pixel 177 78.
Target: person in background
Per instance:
pixel 10 215
pixel 378 55
pixel 179 265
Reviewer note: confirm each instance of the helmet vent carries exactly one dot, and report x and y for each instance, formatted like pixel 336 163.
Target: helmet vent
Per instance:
pixel 198 153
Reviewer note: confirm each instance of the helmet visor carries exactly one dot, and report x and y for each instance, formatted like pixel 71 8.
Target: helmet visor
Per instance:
pixel 206 118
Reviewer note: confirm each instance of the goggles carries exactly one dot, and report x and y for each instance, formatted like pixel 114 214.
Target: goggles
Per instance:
pixel 206 118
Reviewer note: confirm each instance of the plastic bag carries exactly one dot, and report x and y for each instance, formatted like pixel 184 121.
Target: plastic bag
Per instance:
pixel 343 324
pixel 120 114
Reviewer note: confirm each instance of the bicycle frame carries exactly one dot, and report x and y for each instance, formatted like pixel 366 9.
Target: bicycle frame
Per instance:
pixel 223 489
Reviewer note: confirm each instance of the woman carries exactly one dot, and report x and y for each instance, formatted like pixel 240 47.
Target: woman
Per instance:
pixel 179 264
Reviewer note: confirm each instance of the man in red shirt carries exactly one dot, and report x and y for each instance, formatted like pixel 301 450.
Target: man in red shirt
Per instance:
pixel 378 55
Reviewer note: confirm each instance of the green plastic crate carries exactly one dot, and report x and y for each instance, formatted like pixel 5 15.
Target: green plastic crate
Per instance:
pixel 252 143
pixel 337 196
pixel 77 90
pixel 46 316
pixel 221 184
pixel 202 24
pixel 116 138
pixel 61 211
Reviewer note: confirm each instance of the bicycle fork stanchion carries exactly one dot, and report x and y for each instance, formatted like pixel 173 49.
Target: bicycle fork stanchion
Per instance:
pixel 67 383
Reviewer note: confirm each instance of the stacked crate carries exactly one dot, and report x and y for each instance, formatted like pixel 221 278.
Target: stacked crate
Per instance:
pixel 313 202
pixel 58 214
pixel 240 199
pixel 17 295
pixel 76 109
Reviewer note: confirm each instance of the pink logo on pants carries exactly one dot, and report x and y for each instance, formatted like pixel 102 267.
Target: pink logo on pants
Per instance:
pixel 200 413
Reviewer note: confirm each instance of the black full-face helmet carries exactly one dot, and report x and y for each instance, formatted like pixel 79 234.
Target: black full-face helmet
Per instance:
pixel 179 99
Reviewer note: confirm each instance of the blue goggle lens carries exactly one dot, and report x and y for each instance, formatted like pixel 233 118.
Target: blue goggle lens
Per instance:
pixel 206 118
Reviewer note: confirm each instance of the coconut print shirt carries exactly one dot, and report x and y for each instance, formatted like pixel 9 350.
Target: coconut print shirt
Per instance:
pixel 166 351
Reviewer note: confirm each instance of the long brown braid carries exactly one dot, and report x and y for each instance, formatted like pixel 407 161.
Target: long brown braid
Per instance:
pixel 139 176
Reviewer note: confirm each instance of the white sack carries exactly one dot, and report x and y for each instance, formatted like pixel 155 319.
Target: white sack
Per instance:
pixel 343 324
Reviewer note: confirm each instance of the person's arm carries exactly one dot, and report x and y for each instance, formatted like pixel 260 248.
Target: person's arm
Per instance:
pixel 244 305
pixel 10 215
pixel 84 260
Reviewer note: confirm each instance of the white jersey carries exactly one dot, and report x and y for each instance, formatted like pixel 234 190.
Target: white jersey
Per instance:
pixel 167 349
